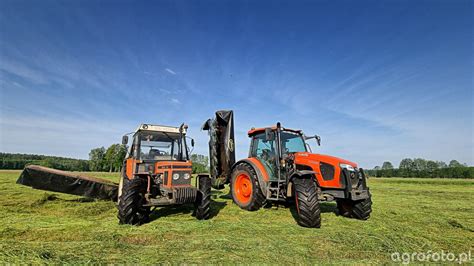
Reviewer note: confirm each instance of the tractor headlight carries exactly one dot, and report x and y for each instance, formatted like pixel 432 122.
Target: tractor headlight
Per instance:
pixel 187 176
pixel 175 176
pixel 347 166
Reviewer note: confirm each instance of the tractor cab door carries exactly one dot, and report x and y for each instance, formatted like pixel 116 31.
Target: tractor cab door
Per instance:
pixel 266 152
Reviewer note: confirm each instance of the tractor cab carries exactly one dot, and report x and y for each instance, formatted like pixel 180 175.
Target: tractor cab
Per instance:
pixel 158 143
pixel 154 147
pixel 266 146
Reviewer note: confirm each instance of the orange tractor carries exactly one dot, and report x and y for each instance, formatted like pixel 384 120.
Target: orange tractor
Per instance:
pixel 157 172
pixel 281 167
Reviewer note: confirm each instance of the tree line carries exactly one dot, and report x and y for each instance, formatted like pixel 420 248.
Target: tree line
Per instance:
pixel 422 168
pixel 111 159
pixel 100 160
pixel 19 161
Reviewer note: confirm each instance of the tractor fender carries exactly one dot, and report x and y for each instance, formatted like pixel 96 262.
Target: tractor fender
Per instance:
pixel 304 174
pixel 262 175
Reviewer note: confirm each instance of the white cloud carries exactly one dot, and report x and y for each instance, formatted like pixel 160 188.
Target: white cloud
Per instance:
pixel 174 100
pixel 170 71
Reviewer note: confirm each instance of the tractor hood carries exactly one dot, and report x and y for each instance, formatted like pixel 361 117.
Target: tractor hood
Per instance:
pixel 314 158
pixel 329 169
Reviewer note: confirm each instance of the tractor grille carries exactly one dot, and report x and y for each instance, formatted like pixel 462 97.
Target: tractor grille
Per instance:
pixel 327 171
pixel 180 180
pixel 184 194
pixel 352 178
pixel 355 177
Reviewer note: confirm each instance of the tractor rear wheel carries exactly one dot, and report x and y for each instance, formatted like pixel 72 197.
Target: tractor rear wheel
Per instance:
pixel 355 209
pixel 307 203
pixel 203 199
pixel 132 198
pixel 245 189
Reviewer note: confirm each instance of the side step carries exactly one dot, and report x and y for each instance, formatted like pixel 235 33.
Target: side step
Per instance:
pixel 49 179
pixel 273 192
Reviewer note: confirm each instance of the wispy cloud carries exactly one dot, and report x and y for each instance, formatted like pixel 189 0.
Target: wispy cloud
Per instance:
pixel 170 71
pixel 175 101
pixel 22 71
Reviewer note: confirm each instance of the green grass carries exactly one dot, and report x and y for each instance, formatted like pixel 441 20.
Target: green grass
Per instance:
pixel 409 215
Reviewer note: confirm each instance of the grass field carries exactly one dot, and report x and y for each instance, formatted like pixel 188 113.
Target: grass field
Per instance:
pixel 409 215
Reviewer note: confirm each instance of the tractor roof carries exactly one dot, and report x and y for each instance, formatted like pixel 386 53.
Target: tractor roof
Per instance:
pixel 159 128
pixel 255 131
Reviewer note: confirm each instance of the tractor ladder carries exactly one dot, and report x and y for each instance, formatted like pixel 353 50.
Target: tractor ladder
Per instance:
pixel 274 189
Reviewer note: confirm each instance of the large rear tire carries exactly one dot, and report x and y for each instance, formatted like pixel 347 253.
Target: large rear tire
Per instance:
pixel 355 209
pixel 245 189
pixel 203 199
pixel 307 203
pixel 132 198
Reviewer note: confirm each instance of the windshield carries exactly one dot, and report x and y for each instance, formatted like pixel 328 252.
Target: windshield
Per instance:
pixel 160 146
pixel 292 142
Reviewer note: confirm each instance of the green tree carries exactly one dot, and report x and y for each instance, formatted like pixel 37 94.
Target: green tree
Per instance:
pixel 199 158
pixel 97 159
pixel 406 167
pixel 420 164
pixel 431 167
pixel 200 163
pixel 387 166
pixel 441 164
pixel 407 164
pixel 120 156
pixel 114 157
pixel 455 163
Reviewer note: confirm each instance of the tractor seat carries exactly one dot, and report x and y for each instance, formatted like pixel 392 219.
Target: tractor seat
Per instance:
pixel 154 153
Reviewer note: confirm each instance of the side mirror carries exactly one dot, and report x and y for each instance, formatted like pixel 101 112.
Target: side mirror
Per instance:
pixel 125 140
pixel 269 135
pixel 192 142
pixel 318 139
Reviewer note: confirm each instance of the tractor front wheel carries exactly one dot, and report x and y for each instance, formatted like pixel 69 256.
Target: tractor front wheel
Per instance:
pixel 355 209
pixel 307 203
pixel 245 189
pixel 203 199
pixel 130 205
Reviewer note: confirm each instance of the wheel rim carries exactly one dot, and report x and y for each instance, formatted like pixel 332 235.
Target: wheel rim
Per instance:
pixel 243 188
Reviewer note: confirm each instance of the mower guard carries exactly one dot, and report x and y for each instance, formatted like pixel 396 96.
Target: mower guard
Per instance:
pixel 44 178
pixel 221 147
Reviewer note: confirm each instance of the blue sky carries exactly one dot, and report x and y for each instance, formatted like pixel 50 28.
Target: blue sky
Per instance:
pixel 378 80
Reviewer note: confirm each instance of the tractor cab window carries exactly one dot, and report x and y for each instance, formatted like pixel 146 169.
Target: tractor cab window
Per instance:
pixel 263 149
pixel 292 142
pixel 160 146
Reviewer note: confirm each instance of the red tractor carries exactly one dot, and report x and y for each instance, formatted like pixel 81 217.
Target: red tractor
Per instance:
pixel 157 172
pixel 281 167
